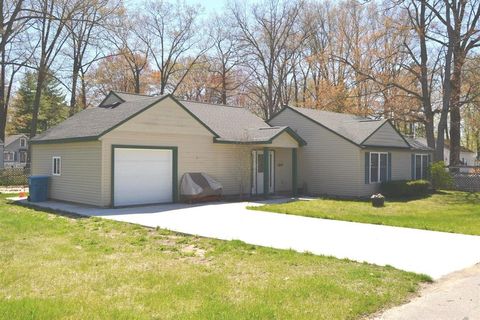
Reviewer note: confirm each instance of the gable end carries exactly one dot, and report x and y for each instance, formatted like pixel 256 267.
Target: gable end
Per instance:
pixel 316 122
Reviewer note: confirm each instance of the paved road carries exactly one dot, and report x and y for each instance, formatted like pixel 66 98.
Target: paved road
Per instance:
pixel 456 296
pixel 433 253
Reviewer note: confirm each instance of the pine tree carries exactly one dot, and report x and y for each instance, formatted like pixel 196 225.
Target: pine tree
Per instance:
pixel 53 108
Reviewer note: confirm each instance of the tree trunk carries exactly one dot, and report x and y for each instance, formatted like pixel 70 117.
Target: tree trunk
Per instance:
pixel 224 88
pixel 36 102
pixel 442 124
pixel 73 96
pixel 455 104
pixel 430 129
pixel 3 106
pixel 424 79
pixel 477 142
pixel 137 80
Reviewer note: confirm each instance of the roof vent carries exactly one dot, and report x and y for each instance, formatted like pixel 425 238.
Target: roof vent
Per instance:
pixel 110 106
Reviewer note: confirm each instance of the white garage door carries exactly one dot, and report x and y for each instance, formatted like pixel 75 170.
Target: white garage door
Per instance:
pixel 142 176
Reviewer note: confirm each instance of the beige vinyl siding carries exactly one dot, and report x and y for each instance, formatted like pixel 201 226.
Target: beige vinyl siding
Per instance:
pixel 167 124
pixel 284 140
pixel 331 165
pixel 283 170
pixel 81 172
pixel 386 135
pixel 328 164
pixel 401 168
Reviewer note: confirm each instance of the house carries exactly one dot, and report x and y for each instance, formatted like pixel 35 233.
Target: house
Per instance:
pixel 15 151
pixel 134 149
pixel 348 155
pixel 467 157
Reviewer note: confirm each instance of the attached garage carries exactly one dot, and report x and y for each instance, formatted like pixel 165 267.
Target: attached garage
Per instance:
pixel 143 175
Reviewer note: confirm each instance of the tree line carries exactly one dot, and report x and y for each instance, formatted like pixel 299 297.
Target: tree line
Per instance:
pixel 413 61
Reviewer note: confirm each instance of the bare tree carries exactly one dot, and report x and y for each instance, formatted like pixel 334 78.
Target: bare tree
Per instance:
pixel 270 36
pixel 170 32
pixel 14 20
pixel 461 20
pixel 224 59
pixel 84 34
pixel 52 17
pixel 123 36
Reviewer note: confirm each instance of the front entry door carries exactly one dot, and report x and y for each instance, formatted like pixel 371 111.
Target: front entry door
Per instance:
pixel 258 171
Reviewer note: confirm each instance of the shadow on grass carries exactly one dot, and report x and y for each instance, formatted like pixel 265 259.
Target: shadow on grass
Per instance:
pixel 387 198
pixel 48 210
pixel 408 199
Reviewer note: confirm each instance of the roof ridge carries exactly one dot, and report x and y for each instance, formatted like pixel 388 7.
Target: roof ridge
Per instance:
pixel 134 94
pixel 211 103
pixel 333 112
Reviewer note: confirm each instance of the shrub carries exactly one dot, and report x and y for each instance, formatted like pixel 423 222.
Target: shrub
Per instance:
pixel 405 188
pixel 441 178
pixel 418 187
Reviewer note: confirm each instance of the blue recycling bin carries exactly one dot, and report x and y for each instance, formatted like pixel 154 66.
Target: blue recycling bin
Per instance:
pixel 38 188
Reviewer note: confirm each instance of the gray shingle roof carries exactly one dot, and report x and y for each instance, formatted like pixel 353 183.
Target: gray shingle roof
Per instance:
pixel 92 122
pixel 125 96
pixel 12 138
pixel 417 144
pixel 351 127
pixel 228 124
pixel 233 124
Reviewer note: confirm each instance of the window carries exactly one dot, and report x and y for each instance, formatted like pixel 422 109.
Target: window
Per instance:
pixel 260 163
pixel 378 167
pixel 8 156
pixel 56 166
pixel 23 142
pixel 23 156
pixel 421 164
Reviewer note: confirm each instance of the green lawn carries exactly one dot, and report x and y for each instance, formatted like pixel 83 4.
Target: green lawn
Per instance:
pixel 447 211
pixel 55 267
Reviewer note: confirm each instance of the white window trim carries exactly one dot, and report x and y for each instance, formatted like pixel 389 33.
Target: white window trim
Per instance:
pixel 24 144
pixel 10 153
pixel 422 155
pixel 379 167
pixel 59 166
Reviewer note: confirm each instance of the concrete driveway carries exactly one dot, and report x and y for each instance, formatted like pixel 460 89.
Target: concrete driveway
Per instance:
pixel 433 253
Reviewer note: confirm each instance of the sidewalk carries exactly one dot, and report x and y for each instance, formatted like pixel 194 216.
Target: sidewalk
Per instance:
pixel 456 296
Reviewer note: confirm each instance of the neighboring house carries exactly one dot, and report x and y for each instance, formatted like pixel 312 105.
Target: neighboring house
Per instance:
pixel 467 157
pixel 15 151
pixel 134 149
pixel 348 155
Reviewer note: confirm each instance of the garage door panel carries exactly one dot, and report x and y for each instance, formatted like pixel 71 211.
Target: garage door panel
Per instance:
pixel 142 176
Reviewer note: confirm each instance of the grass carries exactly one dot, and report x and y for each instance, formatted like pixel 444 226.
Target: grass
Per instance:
pixel 448 211
pixel 56 267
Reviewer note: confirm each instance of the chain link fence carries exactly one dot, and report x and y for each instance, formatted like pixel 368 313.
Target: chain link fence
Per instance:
pixel 12 177
pixel 466 178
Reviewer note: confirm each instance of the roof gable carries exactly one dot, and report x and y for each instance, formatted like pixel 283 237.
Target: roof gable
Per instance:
pixel 386 135
pixel 352 128
pixel 167 116
pixel 92 123
pixel 14 137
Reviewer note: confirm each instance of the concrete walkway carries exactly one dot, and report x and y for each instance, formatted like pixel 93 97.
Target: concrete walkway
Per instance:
pixel 456 296
pixel 433 253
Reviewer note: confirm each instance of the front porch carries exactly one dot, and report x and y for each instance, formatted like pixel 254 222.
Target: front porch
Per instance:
pixel 274 171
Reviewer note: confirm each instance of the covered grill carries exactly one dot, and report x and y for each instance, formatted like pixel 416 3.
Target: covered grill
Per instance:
pixel 198 186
